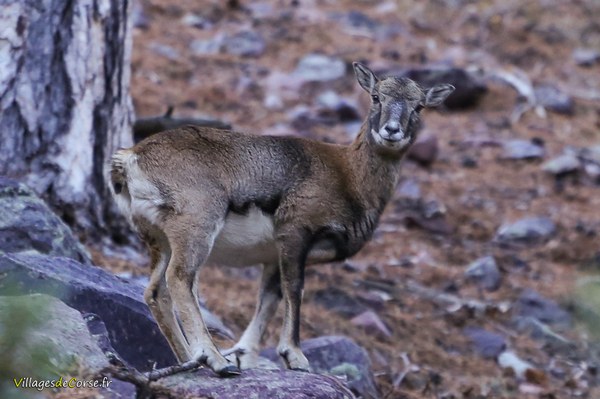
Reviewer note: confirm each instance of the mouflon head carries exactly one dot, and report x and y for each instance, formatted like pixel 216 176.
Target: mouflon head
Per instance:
pixel 396 102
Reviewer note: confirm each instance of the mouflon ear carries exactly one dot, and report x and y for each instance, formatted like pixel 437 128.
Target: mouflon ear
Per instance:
pixel 366 78
pixel 437 94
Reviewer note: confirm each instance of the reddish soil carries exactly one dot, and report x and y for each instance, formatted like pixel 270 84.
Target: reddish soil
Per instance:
pixel 537 38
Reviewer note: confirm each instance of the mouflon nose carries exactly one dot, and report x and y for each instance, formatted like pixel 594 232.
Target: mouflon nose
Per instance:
pixel 392 128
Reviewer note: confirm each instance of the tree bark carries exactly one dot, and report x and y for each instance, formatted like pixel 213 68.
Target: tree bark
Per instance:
pixel 64 101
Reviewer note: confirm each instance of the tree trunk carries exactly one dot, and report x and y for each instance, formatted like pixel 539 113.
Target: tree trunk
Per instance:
pixel 64 101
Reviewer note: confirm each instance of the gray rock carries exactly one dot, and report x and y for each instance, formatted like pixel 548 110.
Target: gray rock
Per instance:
pixel 164 51
pixel 586 56
pixel 320 68
pixel 372 323
pixel 339 356
pixel 206 47
pixel 255 384
pixel 468 89
pixel 424 151
pixel 339 301
pixel 554 100
pixel 28 225
pixel 132 329
pixel 335 107
pixel 562 164
pixel 487 344
pixel 245 44
pixel 532 304
pixel 358 20
pixel 410 189
pixel 528 230
pixel 522 149
pixel 197 21
pixel 52 337
pixel 484 271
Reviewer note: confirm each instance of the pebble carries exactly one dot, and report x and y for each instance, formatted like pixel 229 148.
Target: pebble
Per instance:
pixel 554 100
pixel 562 164
pixel 425 150
pixel 487 344
pixel 245 44
pixel 485 273
pixel 164 50
pixel 371 322
pixel 409 189
pixel 522 149
pixel 531 304
pixel 530 230
pixel 586 57
pixel 320 68
pixel 206 47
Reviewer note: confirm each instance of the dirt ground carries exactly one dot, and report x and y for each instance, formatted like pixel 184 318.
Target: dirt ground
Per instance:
pixel 535 39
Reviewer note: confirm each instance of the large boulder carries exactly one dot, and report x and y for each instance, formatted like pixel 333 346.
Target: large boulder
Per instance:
pixel 132 329
pixel 341 357
pixel 28 225
pixel 46 339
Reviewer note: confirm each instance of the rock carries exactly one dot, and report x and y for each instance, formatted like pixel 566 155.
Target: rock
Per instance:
pixel 339 356
pixel 28 225
pixel 428 215
pixel 424 151
pixel 245 44
pixel 334 106
pixel 554 100
pixel 206 47
pixel 139 16
pixel 532 304
pixel 485 273
pixel 522 149
pixel 468 89
pixel 586 57
pixel 410 189
pixel 133 331
pixel 509 360
pixel 255 384
pixel 339 301
pixel 528 230
pixel 52 338
pixel 164 50
pixel 487 344
pixel 563 164
pixel 320 68
pixel 358 20
pixel 197 21
pixel 371 322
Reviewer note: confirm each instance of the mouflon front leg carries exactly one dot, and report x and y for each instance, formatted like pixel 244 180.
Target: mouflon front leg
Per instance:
pixel 245 352
pixel 292 255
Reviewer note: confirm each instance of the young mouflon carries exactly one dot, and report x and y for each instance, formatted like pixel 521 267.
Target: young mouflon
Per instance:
pixel 199 195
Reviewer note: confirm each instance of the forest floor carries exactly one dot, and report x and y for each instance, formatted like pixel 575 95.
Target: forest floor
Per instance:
pixel 412 274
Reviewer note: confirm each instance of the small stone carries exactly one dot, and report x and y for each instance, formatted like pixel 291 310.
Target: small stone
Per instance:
pixel 468 162
pixel 206 47
pixel 337 107
pixel 484 271
pixel 509 360
pixel 358 20
pixel 531 304
pixel 554 100
pixel 164 50
pixel 586 57
pixel 530 230
pixel 523 149
pixel 339 301
pixel 320 68
pixel 372 323
pixel 245 44
pixel 563 164
pixel 410 189
pixel 424 151
pixel 195 20
pixel 487 344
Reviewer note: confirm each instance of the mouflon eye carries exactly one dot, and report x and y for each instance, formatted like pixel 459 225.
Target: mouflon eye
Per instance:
pixel 419 107
pixel 375 98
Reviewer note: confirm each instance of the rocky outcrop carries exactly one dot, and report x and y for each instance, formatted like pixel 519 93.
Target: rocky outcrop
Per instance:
pixel 28 225
pixel 89 289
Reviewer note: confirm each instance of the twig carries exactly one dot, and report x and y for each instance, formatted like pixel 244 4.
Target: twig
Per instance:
pixel 170 370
